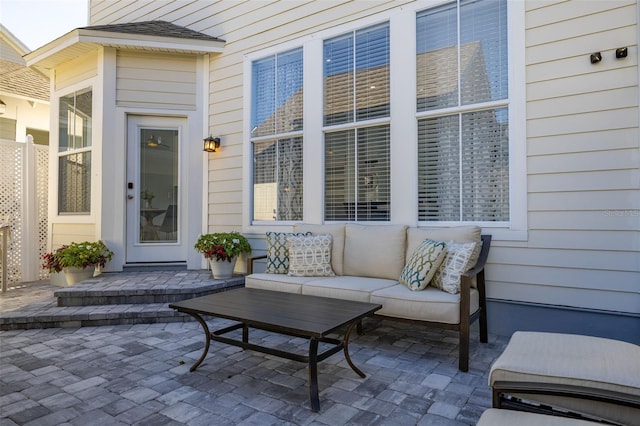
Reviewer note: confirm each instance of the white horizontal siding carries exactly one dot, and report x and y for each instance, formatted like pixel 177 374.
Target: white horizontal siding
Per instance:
pixel 586 181
pixel 591 259
pixel 76 70
pixel 554 294
pixel 8 53
pixel 607 220
pixel 161 81
pixel 583 246
pixel 66 233
pixel 584 141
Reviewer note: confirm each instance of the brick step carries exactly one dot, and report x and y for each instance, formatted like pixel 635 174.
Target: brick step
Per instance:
pixel 92 316
pixel 133 293
pixel 133 297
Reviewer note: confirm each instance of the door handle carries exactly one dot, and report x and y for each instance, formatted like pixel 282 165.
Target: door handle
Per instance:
pixel 129 197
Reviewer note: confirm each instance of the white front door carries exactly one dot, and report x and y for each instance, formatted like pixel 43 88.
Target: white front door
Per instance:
pixel 155 211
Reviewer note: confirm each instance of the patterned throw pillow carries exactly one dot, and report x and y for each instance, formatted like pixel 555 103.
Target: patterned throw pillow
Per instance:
pixel 423 264
pixel 447 277
pixel 278 252
pixel 310 255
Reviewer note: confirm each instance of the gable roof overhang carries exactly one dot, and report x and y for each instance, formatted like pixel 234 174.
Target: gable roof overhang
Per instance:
pixel 150 36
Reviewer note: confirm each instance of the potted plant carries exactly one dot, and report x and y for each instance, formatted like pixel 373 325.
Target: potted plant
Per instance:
pixel 222 249
pixel 148 197
pixel 78 260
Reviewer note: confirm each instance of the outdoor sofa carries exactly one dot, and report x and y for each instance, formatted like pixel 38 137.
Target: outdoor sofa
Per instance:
pixel 365 262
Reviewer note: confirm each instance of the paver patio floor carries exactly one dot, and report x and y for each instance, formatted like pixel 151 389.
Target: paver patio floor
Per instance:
pixel 139 374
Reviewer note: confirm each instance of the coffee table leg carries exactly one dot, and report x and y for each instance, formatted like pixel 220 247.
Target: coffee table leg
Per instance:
pixel 345 344
pixel 207 342
pixel 313 375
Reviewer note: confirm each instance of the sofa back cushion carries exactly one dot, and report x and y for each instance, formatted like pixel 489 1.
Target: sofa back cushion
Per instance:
pixel 337 241
pixel 376 251
pixel 459 234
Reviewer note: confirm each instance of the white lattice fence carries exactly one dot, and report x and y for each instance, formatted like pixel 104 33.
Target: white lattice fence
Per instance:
pixel 12 157
pixel 15 199
pixel 42 197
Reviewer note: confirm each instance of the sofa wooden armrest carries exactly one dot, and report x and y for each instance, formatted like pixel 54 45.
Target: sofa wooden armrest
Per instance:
pixel 250 261
pixel 467 318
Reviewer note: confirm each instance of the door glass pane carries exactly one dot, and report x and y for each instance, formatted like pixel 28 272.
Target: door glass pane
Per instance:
pixel 158 185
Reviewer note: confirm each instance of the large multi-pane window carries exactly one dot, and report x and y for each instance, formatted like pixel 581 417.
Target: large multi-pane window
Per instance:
pixel 456 160
pixel 462 105
pixel 356 120
pixel 74 157
pixel 276 136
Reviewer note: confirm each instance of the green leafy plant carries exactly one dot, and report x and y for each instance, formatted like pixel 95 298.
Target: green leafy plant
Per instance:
pixel 147 195
pixel 79 255
pixel 222 245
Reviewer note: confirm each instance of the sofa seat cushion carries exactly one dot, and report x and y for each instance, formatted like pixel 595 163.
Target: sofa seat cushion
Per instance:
pixel 357 289
pixel 573 360
pixel 429 304
pixel 376 251
pixel 276 282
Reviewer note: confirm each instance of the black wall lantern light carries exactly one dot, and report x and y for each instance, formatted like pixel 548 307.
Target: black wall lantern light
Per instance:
pixel 211 144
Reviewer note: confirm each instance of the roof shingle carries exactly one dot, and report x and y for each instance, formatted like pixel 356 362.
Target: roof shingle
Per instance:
pixel 154 28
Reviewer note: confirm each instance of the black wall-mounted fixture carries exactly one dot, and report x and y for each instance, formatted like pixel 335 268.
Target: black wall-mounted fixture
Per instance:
pixel 211 144
pixel 595 57
pixel 621 52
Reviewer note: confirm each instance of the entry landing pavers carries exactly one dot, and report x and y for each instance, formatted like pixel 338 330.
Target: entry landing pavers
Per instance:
pixel 107 299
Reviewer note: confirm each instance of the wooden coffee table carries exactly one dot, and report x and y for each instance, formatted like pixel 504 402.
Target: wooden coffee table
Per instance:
pixel 291 314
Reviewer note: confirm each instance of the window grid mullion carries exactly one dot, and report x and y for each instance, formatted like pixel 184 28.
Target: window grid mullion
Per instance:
pixel 460 154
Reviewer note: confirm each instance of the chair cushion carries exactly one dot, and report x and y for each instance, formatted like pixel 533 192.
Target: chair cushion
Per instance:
pixel 310 255
pixel 495 417
pixel 375 251
pixel 572 359
pixel 337 241
pixel 422 265
pixel 575 360
pixel 430 304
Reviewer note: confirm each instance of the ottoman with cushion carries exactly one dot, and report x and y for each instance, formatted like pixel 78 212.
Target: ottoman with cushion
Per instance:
pixel 494 417
pixel 558 373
